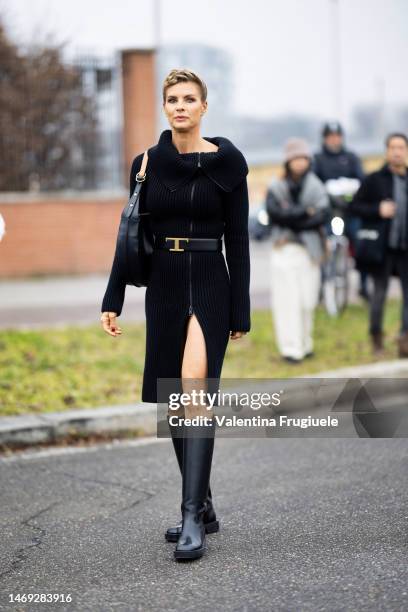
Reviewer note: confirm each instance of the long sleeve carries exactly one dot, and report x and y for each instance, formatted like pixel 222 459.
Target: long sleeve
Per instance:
pixel 115 291
pixel 363 204
pixel 287 217
pixel 320 217
pixel 236 239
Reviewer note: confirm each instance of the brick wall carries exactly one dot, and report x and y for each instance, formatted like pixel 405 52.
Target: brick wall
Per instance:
pixel 58 235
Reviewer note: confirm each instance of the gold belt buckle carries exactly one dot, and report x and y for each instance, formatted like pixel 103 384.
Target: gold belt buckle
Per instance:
pixel 176 243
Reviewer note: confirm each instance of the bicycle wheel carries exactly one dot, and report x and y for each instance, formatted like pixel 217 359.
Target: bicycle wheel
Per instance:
pixel 336 286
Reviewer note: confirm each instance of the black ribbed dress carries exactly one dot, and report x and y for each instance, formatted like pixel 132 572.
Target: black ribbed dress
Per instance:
pixel 199 195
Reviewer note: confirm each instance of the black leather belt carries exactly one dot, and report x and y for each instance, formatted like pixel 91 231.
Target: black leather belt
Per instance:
pixel 178 244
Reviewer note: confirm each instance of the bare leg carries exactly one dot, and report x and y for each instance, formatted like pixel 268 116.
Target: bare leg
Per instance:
pixel 194 368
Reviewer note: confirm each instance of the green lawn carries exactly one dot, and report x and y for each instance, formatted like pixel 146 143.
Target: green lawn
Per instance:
pixel 82 367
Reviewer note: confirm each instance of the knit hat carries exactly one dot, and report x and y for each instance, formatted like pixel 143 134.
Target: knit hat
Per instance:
pixel 332 127
pixel 296 147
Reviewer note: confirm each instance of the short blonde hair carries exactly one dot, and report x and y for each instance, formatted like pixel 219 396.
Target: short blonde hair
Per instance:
pixel 183 75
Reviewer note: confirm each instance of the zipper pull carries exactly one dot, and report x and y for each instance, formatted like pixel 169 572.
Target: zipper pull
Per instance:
pixel 190 310
pixel 199 160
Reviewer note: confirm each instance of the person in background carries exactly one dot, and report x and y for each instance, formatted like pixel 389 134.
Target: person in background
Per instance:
pixel 333 162
pixel 298 207
pixel 383 195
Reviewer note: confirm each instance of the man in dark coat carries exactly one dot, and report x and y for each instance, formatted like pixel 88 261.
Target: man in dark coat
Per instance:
pixel 382 203
pixel 333 162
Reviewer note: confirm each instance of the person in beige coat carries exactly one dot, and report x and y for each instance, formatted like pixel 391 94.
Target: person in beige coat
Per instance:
pixel 298 207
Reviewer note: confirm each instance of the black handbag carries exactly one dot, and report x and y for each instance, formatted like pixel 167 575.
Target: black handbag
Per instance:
pixel 135 241
pixel 371 243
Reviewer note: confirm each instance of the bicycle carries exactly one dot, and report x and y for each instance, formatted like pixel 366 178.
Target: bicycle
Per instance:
pixel 336 267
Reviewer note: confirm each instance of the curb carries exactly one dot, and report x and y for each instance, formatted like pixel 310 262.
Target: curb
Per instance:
pixel 141 418
pixel 29 430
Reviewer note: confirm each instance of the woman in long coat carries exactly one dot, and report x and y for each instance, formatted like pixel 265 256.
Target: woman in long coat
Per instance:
pixel 196 188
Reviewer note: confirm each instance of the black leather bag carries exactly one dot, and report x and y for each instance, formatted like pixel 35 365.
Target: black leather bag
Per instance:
pixel 135 241
pixel 371 244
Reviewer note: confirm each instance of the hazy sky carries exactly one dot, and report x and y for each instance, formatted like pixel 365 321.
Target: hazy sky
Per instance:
pixel 283 49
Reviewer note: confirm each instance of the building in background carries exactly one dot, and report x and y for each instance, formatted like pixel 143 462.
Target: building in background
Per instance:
pixel 101 79
pixel 122 87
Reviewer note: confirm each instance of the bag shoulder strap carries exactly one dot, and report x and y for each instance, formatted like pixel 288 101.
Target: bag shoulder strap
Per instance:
pixel 140 178
pixel 141 175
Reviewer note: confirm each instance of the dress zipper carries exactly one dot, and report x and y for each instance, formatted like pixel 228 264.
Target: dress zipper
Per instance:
pixel 190 309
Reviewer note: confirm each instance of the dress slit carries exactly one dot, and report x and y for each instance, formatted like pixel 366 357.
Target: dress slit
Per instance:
pixel 184 340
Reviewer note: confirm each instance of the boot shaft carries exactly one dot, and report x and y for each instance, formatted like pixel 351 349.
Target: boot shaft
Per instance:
pixel 197 459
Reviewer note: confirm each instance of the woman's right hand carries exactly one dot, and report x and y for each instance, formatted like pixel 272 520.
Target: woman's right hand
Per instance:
pixel 108 320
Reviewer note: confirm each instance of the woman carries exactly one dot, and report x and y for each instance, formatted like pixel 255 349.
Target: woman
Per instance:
pixel 298 207
pixel 196 189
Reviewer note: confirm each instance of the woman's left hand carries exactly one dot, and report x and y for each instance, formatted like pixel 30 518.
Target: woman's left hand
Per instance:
pixel 234 335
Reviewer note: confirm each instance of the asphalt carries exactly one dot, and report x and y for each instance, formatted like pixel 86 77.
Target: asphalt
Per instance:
pixel 306 524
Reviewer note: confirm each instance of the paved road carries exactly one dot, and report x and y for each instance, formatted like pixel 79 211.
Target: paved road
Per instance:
pixel 306 524
pixel 77 299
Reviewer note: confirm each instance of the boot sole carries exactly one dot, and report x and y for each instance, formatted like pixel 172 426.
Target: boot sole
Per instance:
pixel 182 555
pixel 212 527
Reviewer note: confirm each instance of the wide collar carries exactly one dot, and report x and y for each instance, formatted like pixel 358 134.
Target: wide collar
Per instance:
pixel 385 169
pixel 227 167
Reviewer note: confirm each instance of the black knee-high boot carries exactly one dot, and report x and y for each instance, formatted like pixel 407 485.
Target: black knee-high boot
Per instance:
pixel 210 519
pixel 197 458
